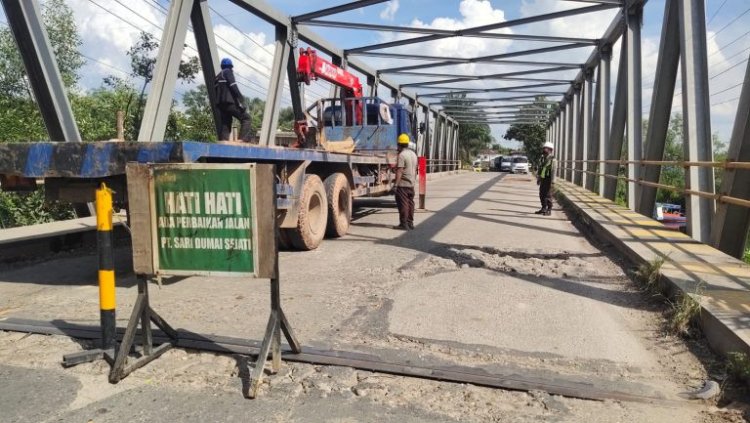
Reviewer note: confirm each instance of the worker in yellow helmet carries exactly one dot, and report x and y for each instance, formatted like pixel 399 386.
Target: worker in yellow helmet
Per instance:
pixel 406 178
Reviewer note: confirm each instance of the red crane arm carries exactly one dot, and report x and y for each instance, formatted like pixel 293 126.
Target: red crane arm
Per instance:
pixel 312 67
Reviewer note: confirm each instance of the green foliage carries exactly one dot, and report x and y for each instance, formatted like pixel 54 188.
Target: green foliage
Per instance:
pixel 649 274
pixel 738 366
pixel 198 120
pixel 531 135
pixel 472 138
pixel 19 209
pixel 684 311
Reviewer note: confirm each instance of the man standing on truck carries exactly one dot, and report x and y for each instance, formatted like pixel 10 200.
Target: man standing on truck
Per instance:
pixel 230 103
pixel 406 177
pixel 545 178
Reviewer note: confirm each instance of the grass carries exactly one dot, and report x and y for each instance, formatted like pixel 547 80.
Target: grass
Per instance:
pixel 649 274
pixel 738 366
pixel 684 311
pixel 746 257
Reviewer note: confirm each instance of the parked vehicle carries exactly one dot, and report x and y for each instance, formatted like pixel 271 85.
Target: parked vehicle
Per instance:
pixel 495 164
pixel 341 152
pixel 506 164
pixel 520 164
pixel 671 216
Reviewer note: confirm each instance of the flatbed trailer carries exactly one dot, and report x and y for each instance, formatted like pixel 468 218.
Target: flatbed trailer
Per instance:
pixel 315 187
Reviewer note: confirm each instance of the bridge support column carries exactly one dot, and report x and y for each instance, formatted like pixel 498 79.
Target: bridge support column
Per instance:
pixel 275 87
pixel 696 122
pixel 619 114
pixel 588 88
pixel 159 102
pixel 633 19
pixel 575 138
pixel 661 103
pixel 731 223
pixel 604 114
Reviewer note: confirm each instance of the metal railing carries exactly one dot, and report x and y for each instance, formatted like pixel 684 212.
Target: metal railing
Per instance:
pixel 442 165
pixel 684 164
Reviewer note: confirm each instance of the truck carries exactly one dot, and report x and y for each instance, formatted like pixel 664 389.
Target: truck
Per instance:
pixel 345 149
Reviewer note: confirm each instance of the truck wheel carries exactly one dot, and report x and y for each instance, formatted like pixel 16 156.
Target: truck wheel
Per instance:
pixel 339 195
pixel 313 215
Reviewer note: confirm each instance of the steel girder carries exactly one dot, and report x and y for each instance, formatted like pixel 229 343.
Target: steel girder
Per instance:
pixel 604 115
pixel 447 33
pixel 499 76
pixel 696 110
pixel 586 129
pixel 489 58
pixel 159 101
pixel 617 130
pixel 483 28
pixel 731 223
pixel 665 79
pixel 634 19
pixel 335 9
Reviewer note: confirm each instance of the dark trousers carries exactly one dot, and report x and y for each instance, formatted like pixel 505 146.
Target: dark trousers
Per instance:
pixel 545 193
pixel 229 111
pixel 405 204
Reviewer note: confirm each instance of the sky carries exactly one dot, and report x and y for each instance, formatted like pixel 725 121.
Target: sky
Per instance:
pixel 109 27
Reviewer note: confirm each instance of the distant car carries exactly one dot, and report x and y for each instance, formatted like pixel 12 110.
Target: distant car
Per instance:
pixel 506 164
pixel 520 165
pixel 671 216
pixel 496 162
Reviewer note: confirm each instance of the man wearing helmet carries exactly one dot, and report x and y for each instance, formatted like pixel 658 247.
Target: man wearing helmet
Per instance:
pixel 230 103
pixel 545 178
pixel 406 177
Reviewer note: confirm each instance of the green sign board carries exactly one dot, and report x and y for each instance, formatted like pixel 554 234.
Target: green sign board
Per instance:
pixel 202 219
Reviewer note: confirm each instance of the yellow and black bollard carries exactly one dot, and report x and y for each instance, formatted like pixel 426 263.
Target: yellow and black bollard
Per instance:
pixel 106 255
pixel 106 265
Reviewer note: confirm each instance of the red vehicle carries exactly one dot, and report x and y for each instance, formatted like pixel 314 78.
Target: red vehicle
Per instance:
pixel 671 216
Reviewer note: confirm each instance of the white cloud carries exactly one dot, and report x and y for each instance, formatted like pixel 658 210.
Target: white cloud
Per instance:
pixel 390 10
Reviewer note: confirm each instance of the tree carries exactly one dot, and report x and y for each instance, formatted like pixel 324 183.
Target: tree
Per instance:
pixel 472 137
pixel 20 119
pixel 142 62
pixel 531 135
pixel 198 116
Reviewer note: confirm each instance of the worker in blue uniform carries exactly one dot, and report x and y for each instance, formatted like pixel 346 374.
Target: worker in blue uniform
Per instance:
pixel 230 103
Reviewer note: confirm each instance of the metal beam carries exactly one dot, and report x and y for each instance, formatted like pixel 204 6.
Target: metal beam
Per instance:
pixel 499 76
pixel 275 87
pixel 203 30
pixel 461 60
pixel 447 33
pixel 335 9
pixel 634 19
pixel 483 28
pixel 25 22
pixel 570 139
pixel 696 123
pixel 577 133
pixel 586 128
pixel 619 116
pixel 458 91
pixel 504 78
pixel 731 223
pixel 159 101
pixel 662 97
pixel 490 58
pixel 592 153
pixel 604 114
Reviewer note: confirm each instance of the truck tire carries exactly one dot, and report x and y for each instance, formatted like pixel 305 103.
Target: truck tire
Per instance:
pixel 313 215
pixel 339 195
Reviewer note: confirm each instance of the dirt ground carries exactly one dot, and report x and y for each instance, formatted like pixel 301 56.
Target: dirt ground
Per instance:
pixel 482 282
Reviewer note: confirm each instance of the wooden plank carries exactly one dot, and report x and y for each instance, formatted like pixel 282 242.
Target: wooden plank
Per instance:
pixel 516 379
pixel 139 199
pixel 265 215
